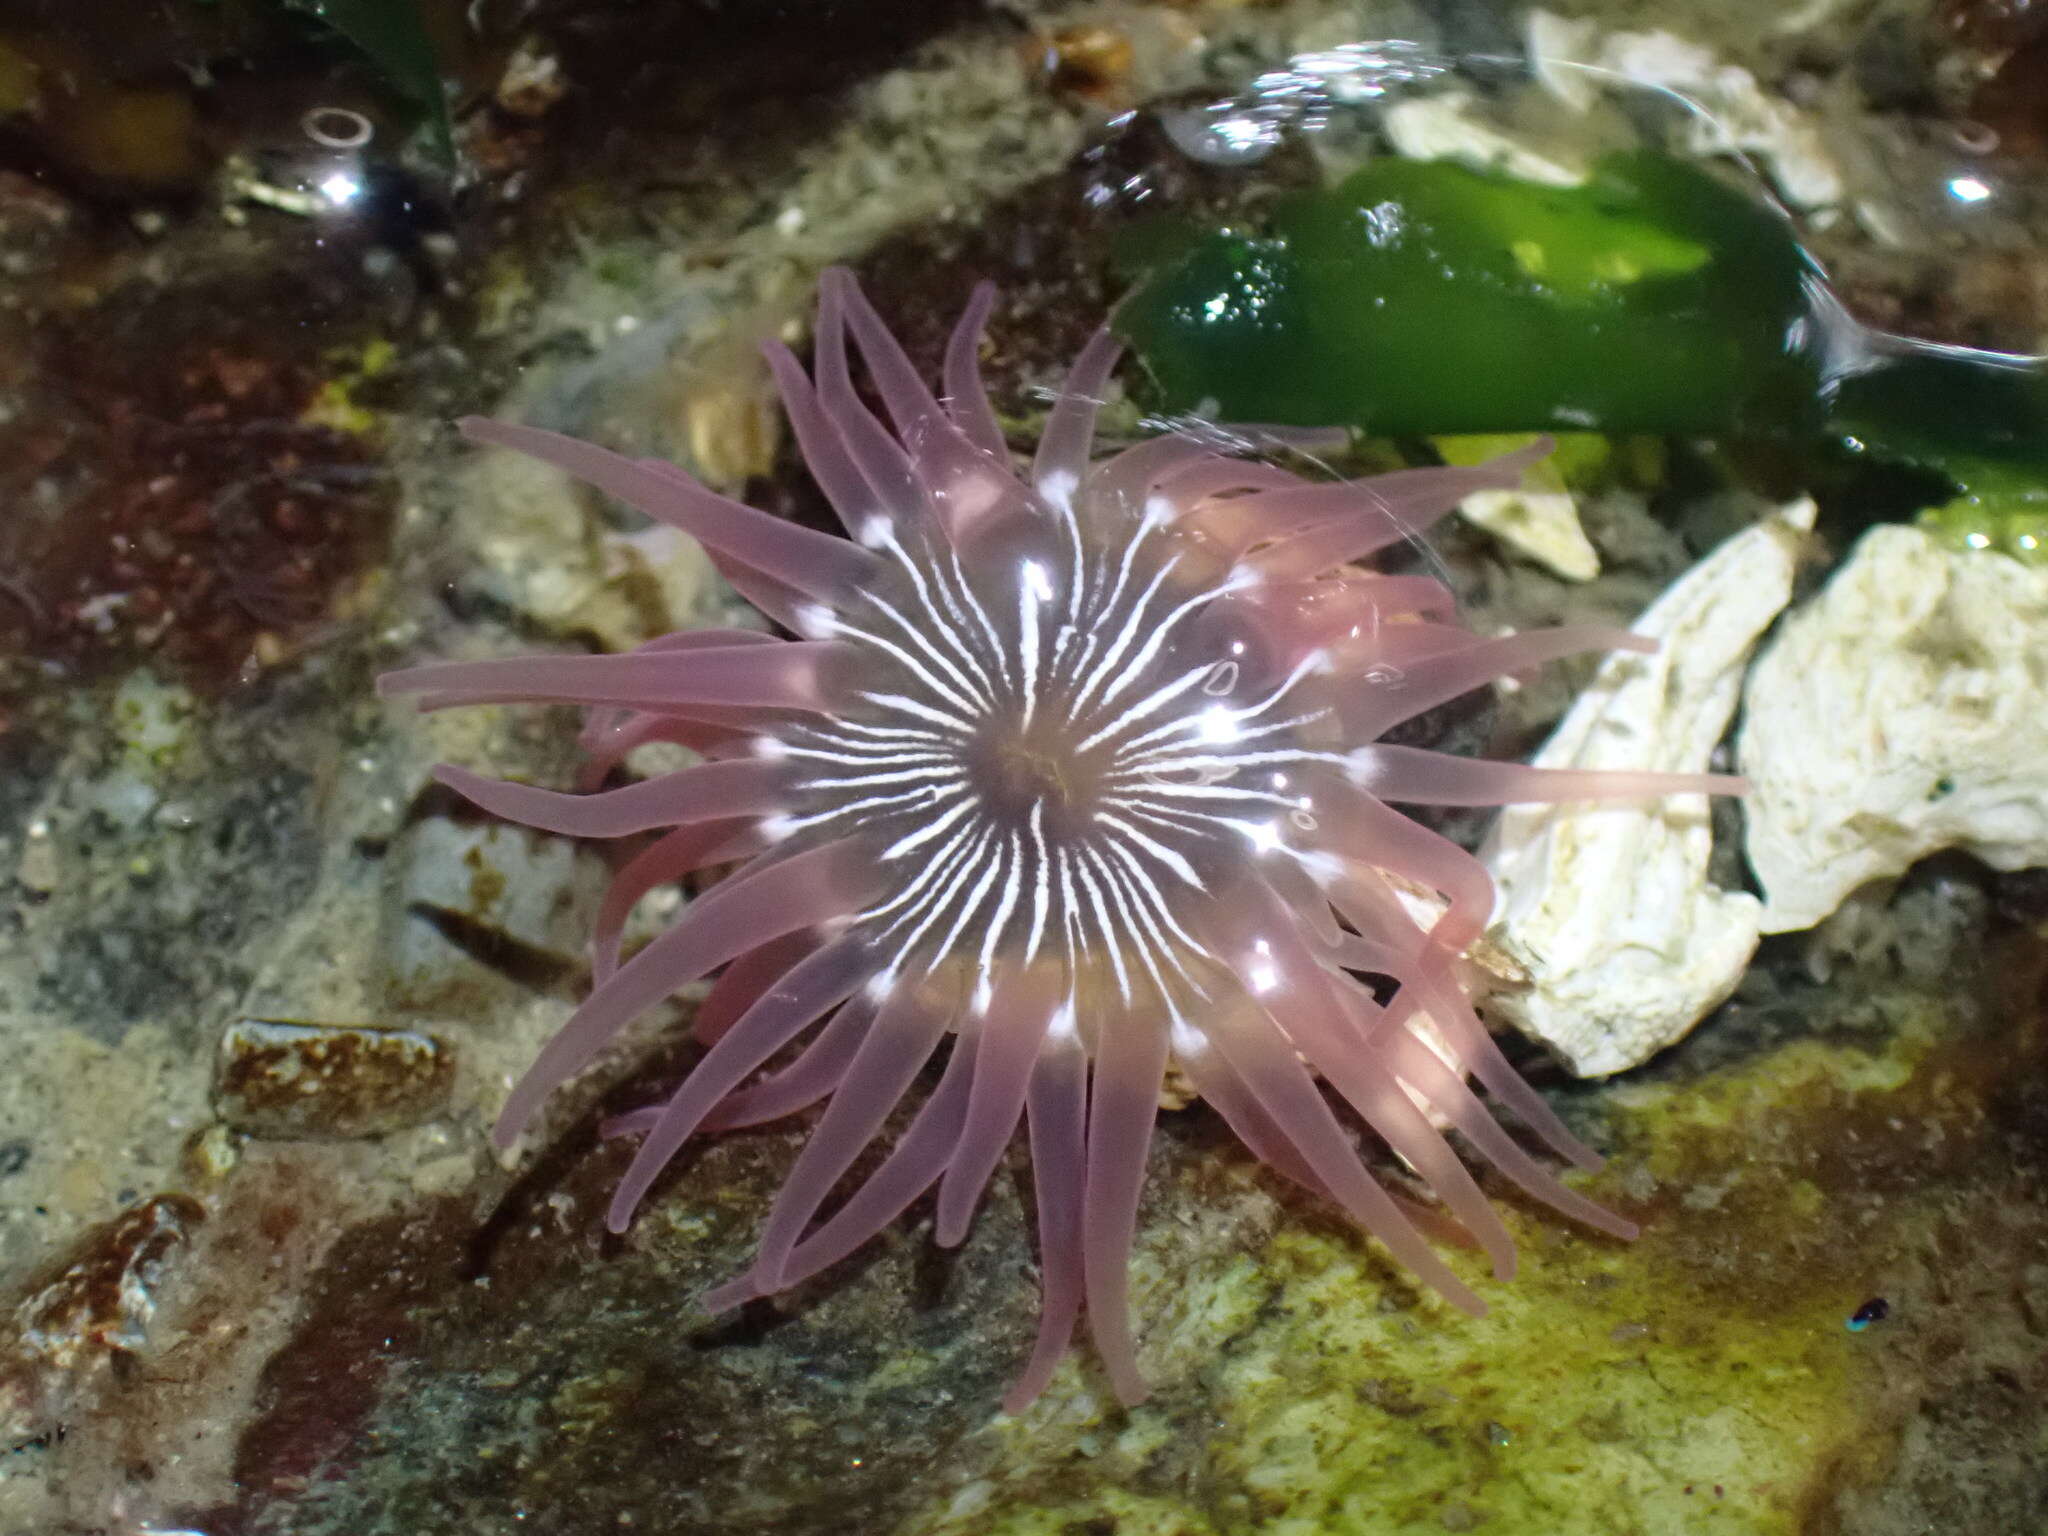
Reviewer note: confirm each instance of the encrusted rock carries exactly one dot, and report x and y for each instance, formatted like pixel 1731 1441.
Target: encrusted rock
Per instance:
pixel 1897 713
pixel 470 899
pixel 1574 60
pixel 94 1305
pixel 1448 126
pixel 276 1078
pixel 1608 908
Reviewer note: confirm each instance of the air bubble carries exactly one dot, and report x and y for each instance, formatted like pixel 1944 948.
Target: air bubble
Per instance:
pixel 1222 678
pixel 337 128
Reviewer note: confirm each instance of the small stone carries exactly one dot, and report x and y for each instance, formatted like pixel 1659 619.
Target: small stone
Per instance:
pixel 473 898
pixel 533 80
pixel 284 1079
pixel 210 1154
pixel 445 1175
pixel 37 870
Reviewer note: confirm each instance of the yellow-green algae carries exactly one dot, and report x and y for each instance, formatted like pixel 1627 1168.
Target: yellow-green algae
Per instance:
pixel 1701 1378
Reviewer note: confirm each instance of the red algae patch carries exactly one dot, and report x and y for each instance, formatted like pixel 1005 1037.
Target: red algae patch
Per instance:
pixel 178 494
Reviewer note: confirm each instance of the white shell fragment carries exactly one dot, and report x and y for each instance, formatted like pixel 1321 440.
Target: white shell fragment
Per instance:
pixel 1443 127
pixel 1735 115
pixel 1608 907
pixel 1898 712
pixel 1538 519
pixel 1541 523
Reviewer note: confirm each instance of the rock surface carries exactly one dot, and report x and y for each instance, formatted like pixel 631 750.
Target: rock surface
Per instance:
pixel 1896 714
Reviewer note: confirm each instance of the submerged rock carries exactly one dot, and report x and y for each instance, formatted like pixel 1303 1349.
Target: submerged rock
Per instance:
pixel 1896 714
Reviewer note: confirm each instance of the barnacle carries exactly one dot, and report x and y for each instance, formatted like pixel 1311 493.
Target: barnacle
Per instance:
pixel 1079 768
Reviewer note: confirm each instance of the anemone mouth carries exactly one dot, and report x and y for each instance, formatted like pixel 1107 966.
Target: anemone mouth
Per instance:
pixel 1022 773
pixel 1079 767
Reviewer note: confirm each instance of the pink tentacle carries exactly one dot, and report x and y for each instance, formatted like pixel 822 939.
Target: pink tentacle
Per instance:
pixel 825 453
pixel 1390 944
pixel 1413 776
pixel 905 396
pixel 1062 456
pixel 815 1073
pixel 784 676
pixel 821 567
pixel 1398 646
pixel 1364 603
pixel 1057 1108
pixel 905 1033
pixel 1330 525
pixel 1130 477
pixel 741 984
pixel 819 982
pixel 1189 488
pixel 633 1122
pixel 1265 1061
pixel 1370 833
pixel 1306 902
pixel 1370 707
pixel 1360 623
pixel 1223 1091
pixel 909 1170
pixel 1417 1065
pixel 1005 1052
pixel 883 461
pixel 758 903
pixel 745 786
pixel 942 454
pixel 781 601
pixel 1130 1064
pixel 966 396
pixel 666 859
pixel 1433 988
pixel 1251 930
pixel 609 740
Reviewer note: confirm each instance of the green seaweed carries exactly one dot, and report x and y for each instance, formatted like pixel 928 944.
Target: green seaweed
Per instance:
pixel 1997 506
pixel 1977 422
pixel 1426 298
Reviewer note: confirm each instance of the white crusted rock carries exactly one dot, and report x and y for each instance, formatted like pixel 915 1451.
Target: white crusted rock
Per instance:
pixel 1608 907
pixel 1574 60
pixel 1445 126
pixel 1898 713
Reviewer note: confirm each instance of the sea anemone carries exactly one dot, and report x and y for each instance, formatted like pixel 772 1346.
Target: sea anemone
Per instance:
pixel 1081 768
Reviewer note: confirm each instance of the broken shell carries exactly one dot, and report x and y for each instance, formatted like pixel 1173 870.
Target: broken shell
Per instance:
pixel 1608 908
